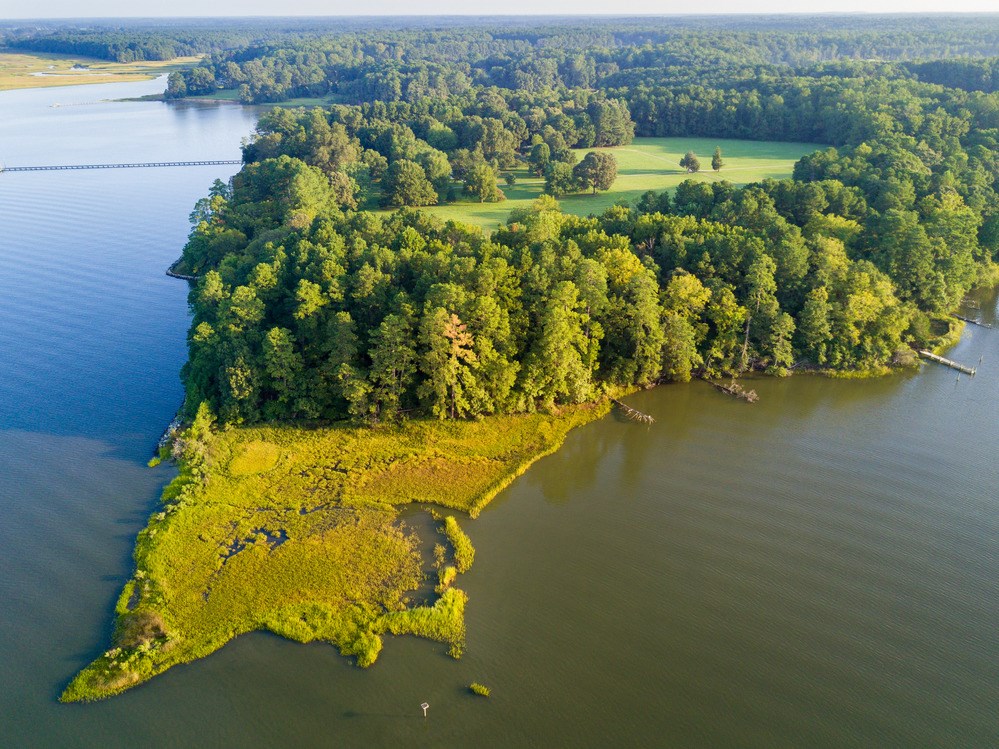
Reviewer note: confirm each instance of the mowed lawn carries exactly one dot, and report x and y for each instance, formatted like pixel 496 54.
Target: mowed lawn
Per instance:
pixel 646 164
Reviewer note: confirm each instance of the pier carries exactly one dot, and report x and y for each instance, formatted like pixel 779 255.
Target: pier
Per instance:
pixel 947 362
pixel 145 165
pixel 973 321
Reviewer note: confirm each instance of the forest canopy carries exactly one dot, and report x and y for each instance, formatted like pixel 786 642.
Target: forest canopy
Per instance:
pixel 309 307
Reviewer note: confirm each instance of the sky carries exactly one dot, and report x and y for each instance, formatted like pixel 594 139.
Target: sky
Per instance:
pixel 180 8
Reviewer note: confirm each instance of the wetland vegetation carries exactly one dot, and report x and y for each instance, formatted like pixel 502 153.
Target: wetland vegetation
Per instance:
pixel 297 530
pixel 43 69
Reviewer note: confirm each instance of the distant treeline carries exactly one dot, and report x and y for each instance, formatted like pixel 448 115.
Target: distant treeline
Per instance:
pixel 763 40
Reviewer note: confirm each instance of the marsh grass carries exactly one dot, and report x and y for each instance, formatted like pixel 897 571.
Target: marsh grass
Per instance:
pixel 464 552
pixel 296 530
pixel 254 457
pixel 42 70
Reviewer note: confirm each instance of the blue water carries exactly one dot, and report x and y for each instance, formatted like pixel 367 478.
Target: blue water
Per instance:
pixel 92 336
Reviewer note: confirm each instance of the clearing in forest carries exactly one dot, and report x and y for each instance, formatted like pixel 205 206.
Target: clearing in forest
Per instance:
pixel 646 164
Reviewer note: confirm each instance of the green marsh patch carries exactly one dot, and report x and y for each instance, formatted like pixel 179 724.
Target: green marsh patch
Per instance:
pixel 255 457
pixel 298 531
pixel 432 479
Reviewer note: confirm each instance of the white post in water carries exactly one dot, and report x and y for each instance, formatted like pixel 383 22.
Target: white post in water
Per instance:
pixel 424 705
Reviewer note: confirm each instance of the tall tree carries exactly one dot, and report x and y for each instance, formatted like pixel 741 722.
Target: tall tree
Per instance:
pixel 690 162
pixel 480 183
pixel 716 160
pixel 597 170
pixel 813 325
pixel 555 369
pixel 406 184
pixel 447 363
pixel 541 156
pixel 393 363
pixel 559 179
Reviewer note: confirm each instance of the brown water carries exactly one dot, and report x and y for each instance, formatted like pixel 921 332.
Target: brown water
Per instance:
pixel 820 569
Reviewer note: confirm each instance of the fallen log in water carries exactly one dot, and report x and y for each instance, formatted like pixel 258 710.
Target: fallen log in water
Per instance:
pixel 947 362
pixel 737 391
pixel 633 413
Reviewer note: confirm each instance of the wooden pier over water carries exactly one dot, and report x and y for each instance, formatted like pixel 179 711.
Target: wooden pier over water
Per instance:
pixel 145 165
pixel 947 362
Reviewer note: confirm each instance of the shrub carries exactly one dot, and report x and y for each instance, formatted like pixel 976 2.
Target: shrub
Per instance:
pixel 480 689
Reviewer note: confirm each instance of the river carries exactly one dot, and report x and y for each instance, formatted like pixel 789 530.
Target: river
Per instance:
pixel 819 569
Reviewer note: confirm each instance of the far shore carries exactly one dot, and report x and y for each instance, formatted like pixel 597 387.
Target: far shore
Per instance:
pixel 20 70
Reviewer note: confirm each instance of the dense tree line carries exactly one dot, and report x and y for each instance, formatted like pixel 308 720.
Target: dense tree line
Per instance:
pixel 981 74
pixel 417 155
pixel 409 66
pixel 309 307
pixel 786 40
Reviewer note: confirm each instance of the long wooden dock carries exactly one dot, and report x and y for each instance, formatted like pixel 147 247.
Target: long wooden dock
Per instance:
pixel 143 165
pixel 947 362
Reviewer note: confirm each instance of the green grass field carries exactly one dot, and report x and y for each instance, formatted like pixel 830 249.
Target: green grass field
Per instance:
pixel 646 164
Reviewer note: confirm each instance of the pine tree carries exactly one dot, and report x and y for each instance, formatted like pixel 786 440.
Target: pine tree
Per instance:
pixel 716 161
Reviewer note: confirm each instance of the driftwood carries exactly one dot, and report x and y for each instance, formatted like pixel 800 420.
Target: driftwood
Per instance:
pixel 633 413
pixel 737 391
pixel 174 274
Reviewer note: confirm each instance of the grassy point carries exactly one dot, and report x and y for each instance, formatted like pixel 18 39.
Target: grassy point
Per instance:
pixel 296 530
pixel 43 70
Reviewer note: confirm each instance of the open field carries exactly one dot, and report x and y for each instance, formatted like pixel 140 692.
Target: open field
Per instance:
pixel 646 164
pixel 298 530
pixel 41 70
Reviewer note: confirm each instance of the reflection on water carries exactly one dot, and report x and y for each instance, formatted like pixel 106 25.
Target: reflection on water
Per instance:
pixel 818 569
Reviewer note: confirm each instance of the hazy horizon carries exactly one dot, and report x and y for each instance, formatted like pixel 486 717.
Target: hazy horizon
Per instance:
pixel 181 9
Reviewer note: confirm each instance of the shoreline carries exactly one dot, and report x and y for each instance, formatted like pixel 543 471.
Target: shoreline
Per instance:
pixel 255 518
pixel 378 471
pixel 21 70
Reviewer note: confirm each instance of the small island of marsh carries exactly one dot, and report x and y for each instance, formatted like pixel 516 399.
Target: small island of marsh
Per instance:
pixel 352 353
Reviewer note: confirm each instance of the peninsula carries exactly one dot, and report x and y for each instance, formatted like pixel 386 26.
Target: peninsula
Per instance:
pixel 352 353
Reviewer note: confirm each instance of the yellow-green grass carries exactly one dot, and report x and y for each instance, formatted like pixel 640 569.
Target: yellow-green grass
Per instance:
pixel 41 70
pixel 296 530
pixel 228 94
pixel 646 164
pixel 464 552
